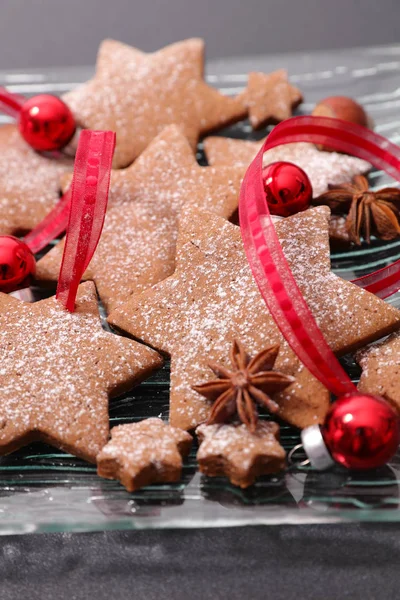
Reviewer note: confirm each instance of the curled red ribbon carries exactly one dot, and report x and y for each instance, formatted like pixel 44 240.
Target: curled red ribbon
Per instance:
pixel 10 103
pixel 89 197
pixel 279 288
pixel 358 141
pixel 267 260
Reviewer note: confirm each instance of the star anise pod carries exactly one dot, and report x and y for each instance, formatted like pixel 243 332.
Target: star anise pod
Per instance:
pixel 250 381
pixel 369 213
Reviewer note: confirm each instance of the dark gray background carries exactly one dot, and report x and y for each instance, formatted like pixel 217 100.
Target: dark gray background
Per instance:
pixel 35 33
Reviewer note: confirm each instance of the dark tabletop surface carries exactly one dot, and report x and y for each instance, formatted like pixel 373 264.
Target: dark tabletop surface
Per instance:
pixel 313 562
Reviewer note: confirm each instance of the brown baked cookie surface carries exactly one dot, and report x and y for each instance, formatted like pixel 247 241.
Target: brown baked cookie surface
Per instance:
pixel 235 452
pixel 212 299
pixel 322 168
pixel 137 94
pixel 29 183
pixel 139 454
pixel 136 250
pixel 137 246
pixel 380 365
pixel 58 370
pixel 270 98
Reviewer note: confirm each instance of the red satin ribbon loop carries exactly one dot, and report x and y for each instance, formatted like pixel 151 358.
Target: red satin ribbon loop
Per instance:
pixel 279 288
pixel 341 136
pixel 358 141
pixel 89 197
pixel 382 283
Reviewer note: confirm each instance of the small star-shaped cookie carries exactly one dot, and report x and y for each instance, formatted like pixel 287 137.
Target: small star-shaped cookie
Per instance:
pixel 235 452
pixel 380 365
pixel 137 247
pixel 57 371
pixel 323 168
pixel 139 454
pixel 137 94
pixel 270 98
pixel 29 183
pixel 212 298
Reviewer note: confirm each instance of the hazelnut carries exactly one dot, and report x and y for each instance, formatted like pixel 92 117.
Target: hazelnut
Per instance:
pixel 342 107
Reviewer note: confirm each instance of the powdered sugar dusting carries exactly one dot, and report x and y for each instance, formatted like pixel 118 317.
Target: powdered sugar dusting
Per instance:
pixel 145 452
pixel 137 246
pixel 138 94
pixel 322 168
pixel 57 370
pixel 381 369
pixel 235 451
pixel 212 299
pixel 29 183
pixel 270 98
pixel 136 250
pixel 149 441
pixel 361 316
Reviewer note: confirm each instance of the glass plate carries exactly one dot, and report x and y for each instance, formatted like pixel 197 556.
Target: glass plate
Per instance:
pixel 43 490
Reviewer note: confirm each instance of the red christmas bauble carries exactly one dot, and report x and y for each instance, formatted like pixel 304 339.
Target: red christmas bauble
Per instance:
pixel 287 188
pixel 46 123
pixel 361 431
pixel 17 264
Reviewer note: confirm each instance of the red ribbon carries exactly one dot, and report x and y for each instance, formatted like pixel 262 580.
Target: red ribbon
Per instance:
pixel 358 141
pixel 89 197
pixel 279 288
pixel 52 226
pixel 267 260
pixel 10 103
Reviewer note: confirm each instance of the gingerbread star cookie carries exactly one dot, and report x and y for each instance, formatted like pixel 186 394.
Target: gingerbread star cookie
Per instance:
pixel 136 250
pixel 380 365
pixel 29 183
pixel 270 98
pixel 137 94
pixel 57 372
pixel 212 299
pixel 142 453
pixel 235 452
pixel 137 247
pixel 323 168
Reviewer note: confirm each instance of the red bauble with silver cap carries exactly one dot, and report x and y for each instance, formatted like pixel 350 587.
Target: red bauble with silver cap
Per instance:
pixel 361 431
pixel 17 264
pixel 46 123
pixel 287 188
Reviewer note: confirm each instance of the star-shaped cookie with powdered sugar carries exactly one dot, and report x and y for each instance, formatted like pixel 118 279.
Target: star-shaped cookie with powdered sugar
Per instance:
pixel 270 98
pixel 137 94
pixel 211 299
pixel 29 183
pixel 380 365
pixel 139 454
pixel 137 246
pixel 241 455
pixel 57 372
pixel 322 168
